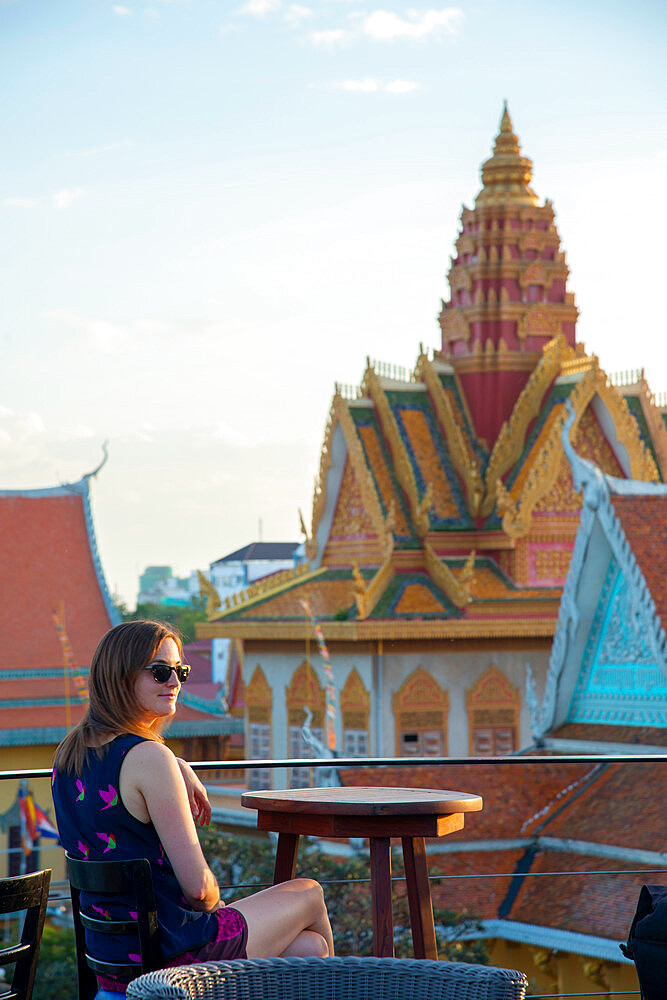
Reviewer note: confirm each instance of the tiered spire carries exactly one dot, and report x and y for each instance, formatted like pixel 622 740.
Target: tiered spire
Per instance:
pixel 508 287
pixel 507 174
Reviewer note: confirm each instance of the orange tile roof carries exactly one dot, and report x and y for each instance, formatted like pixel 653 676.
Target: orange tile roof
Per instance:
pixel 46 562
pixel 603 733
pixel 510 804
pixel 600 905
pixel 644 521
pixel 625 807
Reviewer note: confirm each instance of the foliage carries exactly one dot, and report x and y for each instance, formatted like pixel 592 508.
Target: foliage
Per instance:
pixel 184 617
pixel 56 969
pixel 248 862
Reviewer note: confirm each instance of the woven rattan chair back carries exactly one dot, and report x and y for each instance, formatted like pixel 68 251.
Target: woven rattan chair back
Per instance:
pixel 331 979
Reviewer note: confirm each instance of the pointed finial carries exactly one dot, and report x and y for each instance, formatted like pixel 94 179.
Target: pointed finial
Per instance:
pixel 506 175
pixel 506 121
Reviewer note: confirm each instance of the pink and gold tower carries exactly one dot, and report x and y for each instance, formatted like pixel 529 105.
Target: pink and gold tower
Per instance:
pixel 508 286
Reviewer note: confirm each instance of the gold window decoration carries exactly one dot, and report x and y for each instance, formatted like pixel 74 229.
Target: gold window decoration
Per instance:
pixel 259 703
pixel 355 708
pixel 421 710
pixel 304 691
pixel 493 705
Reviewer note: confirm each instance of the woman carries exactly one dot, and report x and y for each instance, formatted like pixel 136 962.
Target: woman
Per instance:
pixel 119 792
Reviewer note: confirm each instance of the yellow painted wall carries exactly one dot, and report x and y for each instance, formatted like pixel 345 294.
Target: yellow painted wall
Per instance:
pixel 561 972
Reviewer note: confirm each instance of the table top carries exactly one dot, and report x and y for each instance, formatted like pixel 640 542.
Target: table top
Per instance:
pixel 373 801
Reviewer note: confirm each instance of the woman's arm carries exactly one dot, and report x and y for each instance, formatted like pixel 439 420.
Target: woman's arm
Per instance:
pixel 152 788
pixel 200 807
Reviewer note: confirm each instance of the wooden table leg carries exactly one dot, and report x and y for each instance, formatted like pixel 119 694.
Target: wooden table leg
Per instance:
pixel 286 851
pixel 383 922
pixel 419 898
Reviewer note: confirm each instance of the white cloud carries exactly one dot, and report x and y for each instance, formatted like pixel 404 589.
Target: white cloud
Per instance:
pixel 296 14
pixel 258 8
pixel 94 150
pixel 365 86
pixel 66 197
pixel 401 87
pixel 20 202
pixel 226 29
pixel 329 38
pixel 662 154
pixel 384 25
pixel 368 85
pixel 121 11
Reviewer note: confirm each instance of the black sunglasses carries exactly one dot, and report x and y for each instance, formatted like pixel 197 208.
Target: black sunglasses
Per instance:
pixel 162 671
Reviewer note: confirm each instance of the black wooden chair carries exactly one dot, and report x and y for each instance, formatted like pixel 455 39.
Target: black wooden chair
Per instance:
pixel 129 877
pixel 24 894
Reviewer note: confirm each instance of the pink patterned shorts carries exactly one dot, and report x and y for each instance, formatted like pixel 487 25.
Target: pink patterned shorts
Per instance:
pixel 229 942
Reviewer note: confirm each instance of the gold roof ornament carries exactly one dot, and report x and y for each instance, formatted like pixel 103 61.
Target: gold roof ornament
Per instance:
pixel 507 174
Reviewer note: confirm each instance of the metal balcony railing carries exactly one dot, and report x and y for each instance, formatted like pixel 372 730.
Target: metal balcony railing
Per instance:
pixel 60 895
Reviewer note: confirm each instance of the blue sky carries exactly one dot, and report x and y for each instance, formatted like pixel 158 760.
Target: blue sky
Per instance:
pixel 209 212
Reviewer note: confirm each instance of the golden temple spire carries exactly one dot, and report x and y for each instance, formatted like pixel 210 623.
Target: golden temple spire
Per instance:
pixel 506 175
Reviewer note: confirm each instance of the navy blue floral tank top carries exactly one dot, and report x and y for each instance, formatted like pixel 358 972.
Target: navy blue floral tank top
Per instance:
pixel 93 823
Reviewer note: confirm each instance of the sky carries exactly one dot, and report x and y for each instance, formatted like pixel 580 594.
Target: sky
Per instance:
pixel 212 211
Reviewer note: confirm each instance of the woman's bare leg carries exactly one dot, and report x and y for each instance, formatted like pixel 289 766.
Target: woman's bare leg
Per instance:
pixel 287 919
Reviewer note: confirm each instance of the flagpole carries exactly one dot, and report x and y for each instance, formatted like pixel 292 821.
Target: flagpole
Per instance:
pixel 60 625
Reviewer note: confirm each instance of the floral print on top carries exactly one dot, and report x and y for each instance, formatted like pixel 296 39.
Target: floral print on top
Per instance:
pixel 94 824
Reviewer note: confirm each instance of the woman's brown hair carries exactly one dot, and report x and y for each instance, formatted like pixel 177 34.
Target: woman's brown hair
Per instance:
pixel 112 706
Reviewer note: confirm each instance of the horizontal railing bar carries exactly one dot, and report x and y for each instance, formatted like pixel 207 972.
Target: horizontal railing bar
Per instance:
pixel 289 762
pixel 434 878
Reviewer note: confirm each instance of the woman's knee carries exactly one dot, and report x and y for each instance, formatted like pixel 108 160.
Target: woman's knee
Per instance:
pixel 312 891
pixel 320 949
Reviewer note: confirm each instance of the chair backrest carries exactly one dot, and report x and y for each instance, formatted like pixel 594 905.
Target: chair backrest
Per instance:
pixel 24 894
pixel 345 978
pixel 129 877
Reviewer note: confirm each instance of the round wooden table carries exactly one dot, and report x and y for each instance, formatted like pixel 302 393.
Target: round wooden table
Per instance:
pixel 379 814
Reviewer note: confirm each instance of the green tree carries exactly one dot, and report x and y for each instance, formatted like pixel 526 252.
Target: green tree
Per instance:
pixel 183 617
pixel 55 978
pixel 244 864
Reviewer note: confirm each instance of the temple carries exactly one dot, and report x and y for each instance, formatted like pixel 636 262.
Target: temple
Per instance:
pixel 445 514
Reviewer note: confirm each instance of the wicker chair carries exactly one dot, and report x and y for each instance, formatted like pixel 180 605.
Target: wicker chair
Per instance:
pixel 330 979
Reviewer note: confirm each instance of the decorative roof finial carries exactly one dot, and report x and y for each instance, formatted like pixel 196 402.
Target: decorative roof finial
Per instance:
pixel 98 468
pixel 506 175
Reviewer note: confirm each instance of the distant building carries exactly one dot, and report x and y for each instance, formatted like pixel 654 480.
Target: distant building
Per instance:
pixel 158 585
pixel 234 572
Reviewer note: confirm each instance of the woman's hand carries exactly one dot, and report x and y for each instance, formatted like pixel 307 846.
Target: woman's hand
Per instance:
pixel 197 796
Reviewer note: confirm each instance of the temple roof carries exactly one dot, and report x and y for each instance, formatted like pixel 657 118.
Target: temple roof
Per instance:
pixel 416 525
pixel 609 658
pixel 49 563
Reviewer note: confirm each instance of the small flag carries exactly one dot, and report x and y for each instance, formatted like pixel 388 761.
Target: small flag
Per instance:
pixel 34 822
pixel 44 826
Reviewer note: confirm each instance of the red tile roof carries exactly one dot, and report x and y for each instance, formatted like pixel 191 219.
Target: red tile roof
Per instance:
pixel 515 795
pixel 45 563
pixel 604 733
pixel 644 521
pixel 600 905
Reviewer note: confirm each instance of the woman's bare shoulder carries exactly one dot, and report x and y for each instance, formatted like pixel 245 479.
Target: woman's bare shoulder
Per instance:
pixel 150 753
